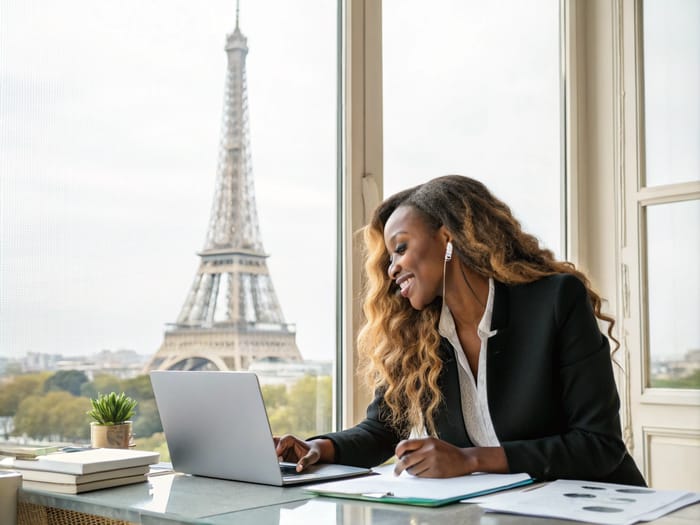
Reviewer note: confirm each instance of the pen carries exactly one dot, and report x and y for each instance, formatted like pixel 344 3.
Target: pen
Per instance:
pixel 75 449
pixel 377 494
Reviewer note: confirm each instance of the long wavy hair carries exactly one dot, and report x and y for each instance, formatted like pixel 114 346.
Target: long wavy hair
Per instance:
pixel 398 345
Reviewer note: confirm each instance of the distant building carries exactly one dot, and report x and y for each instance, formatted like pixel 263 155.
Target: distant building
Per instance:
pixel 272 371
pixel 124 364
pixel 39 362
pixel 676 368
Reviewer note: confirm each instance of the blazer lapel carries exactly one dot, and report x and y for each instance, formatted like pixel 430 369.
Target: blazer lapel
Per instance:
pixel 499 319
pixel 449 421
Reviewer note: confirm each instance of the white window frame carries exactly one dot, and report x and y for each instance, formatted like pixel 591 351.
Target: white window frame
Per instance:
pixel 362 188
pixel 606 170
pixel 361 166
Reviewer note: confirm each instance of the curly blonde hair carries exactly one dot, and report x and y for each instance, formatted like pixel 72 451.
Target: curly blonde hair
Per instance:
pixel 398 345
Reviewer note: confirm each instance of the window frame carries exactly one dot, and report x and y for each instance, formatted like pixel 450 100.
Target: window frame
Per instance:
pixel 361 173
pixel 361 182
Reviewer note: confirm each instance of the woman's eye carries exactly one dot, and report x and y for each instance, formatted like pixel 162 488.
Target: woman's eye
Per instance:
pixel 400 248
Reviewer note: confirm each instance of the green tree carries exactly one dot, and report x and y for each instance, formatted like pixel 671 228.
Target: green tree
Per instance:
pixel 139 388
pixel 66 380
pixel 30 418
pixel 67 419
pixel 147 419
pixel 57 415
pixel 19 388
pixel 281 421
pixel 690 381
pixel 156 443
pixel 304 410
pixel 102 384
pixel 274 396
pixel 310 401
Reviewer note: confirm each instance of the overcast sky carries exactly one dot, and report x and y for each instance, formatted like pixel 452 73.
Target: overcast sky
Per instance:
pixel 109 133
pixel 109 130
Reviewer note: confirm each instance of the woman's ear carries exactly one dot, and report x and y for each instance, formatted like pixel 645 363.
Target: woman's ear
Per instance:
pixel 444 234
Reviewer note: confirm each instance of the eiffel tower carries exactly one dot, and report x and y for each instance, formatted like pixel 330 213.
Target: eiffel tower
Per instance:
pixel 231 315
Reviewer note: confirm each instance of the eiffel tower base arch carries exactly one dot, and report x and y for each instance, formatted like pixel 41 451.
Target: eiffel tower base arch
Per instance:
pixel 211 349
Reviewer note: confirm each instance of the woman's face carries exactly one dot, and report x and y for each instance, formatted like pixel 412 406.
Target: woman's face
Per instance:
pixel 417 256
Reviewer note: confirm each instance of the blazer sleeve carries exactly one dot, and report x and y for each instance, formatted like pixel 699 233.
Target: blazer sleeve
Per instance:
pixel 589 445
pixel 368 443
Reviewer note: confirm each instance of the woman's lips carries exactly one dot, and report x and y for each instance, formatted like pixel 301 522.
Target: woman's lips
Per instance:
pixel 405 286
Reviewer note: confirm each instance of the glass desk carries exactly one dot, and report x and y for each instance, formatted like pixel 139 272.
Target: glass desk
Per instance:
pixel 175 498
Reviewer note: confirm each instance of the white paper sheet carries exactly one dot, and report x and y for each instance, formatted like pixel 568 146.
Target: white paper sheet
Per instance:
pixel 407 486
pixel 604 503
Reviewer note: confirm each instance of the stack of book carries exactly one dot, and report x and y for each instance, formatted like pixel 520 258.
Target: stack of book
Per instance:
pixel 82 471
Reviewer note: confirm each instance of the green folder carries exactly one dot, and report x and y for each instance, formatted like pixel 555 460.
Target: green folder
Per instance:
pixel 424 492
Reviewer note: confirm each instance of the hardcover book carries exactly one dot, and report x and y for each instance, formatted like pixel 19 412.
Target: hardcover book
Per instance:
pixel 87 461
pixel 61 477
pixel 77 488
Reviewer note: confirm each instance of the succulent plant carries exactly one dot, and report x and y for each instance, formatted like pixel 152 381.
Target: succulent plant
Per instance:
pixel 112 408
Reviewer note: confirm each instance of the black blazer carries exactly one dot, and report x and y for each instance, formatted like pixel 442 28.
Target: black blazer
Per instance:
pixel 551 391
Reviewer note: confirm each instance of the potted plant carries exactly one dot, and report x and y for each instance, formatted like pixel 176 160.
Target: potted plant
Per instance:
pixel 112 415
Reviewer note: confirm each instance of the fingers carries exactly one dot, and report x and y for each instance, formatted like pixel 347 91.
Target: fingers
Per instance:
pixel 414 464
pixel 291 448
pixel 284 445
pixel 415 456
pixel 408 445
pixel 279 446
pixel 409 457
pixel 309 459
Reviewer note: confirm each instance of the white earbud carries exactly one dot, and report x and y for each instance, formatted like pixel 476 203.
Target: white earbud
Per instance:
pixel 448 251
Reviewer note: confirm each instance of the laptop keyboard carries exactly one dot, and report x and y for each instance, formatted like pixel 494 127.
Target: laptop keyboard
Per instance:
pixel 289 470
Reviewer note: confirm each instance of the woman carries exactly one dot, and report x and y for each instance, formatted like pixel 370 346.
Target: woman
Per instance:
pixel 483 350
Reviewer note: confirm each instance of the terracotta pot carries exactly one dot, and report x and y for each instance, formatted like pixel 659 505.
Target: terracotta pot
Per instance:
pixel 111 436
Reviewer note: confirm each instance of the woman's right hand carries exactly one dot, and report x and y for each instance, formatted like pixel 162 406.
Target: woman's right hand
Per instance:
pixel 294 450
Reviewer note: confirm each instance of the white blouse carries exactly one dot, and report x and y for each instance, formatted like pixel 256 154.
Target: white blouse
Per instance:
pixel 475 406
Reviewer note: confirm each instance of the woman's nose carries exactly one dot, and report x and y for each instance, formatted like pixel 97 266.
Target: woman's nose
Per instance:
pixel 392 269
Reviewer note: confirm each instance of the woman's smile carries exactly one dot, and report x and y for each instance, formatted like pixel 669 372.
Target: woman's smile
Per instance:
pixel 404 282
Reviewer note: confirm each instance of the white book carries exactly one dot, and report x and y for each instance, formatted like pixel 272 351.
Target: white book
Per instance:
pixel 61 477
pixel 77 488
pixel 88 461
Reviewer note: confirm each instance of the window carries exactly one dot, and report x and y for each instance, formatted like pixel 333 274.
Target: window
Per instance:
pixel 673 280
pixel 110 122
pixel 473 88
pixel 637 167
pixel 668 198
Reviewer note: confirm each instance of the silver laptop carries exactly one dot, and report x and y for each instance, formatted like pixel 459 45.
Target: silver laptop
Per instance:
pixel 216 425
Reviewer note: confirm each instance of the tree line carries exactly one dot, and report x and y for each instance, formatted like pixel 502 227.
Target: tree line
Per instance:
pixel 52 406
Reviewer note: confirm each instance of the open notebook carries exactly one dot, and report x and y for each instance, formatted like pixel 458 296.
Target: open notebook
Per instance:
pixel 216 425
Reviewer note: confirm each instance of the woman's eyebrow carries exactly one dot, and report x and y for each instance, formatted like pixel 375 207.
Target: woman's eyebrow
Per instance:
pixel 396 234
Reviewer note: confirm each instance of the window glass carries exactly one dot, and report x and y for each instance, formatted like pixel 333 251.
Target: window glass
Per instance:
pixel 111 119
pixel 671 87
pixel 473 88
pixel 673 283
